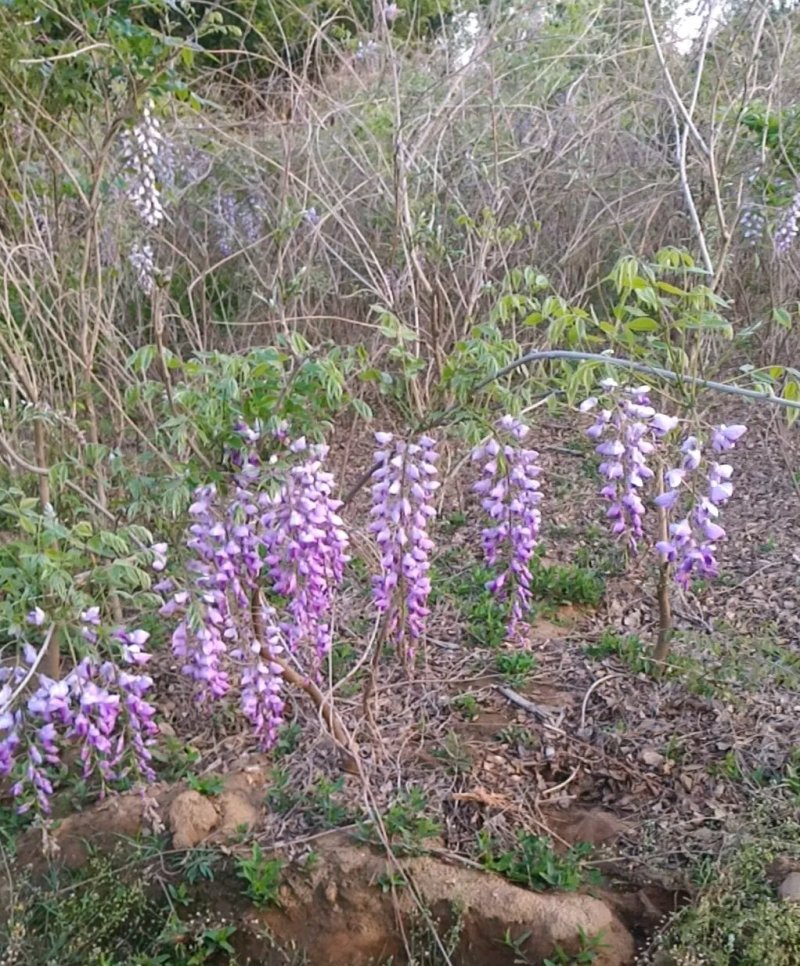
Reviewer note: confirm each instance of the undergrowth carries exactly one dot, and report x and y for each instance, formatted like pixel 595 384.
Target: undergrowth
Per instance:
pixel 738 918
pixel 531 861
pixel 552 586
pixel 110 914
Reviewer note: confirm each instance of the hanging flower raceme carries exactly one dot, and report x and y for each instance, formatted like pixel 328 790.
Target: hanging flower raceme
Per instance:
pixel 262 677
pixel 219 637
pixel 509 491
pixel 201 639
pixel 141 148
pixel 786 232
pixel 291 538
pixel 98 707
pixel 692 540
pixel 306 549
pixel 629 430
pixel 402 511
pixel 143 264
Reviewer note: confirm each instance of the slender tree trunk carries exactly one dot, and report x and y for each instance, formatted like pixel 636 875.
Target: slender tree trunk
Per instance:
pixel 664 602
pixel 51 662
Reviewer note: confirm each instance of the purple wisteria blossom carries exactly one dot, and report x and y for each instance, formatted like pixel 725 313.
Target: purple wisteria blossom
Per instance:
pixel 143 163
pixel 629 429
pixel 277 529
pixel 509 491
pixel 159 551
pixel 99 707
pixel 692 540
pixel 201 639
pixel 239 221
pixel 402 510
pixel 36 617
pixel 218 639
pixel 306 548
pixel 262 678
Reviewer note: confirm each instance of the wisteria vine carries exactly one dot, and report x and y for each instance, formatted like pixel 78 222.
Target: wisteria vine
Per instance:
pixel 268 549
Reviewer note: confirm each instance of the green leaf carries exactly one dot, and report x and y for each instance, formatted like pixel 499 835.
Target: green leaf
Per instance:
pixel 142 359
pixel 670 289
pixel 782 317
pixel 642 324
pixel 363 410
pixel 791 391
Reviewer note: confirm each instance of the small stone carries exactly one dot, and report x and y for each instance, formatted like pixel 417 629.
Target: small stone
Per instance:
pixel 192 817
pixel 238 814
pixel 789 889
pixel 652 758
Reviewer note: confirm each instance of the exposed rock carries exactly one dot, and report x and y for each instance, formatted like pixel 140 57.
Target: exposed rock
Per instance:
pixel 789 889
pixel 191 818
pixel 339 916
pixel 780 867
pixel 237 814
pixel 335 912
pixel 591 825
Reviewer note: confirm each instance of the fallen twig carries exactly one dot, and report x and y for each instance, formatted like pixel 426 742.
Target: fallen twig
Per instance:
pixel 588 694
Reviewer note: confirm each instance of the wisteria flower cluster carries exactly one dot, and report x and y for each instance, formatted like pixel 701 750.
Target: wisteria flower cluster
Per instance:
pixel 99 707
pixel 786 232
pixel 291 541
pixel 629 428
pixel 143 263
pixel 220 634
pixel 691 546
pixel 510 494
pixel 142 150
pixel 402 511
pixel 752 224
pixel 239 221
pixel 141 147
pixel 306 548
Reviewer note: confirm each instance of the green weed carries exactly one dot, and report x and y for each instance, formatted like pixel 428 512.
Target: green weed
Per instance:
pixel 738 919
pixel 629 648
pixel 261 875
pixel 559 584
pixel 589 949
pixel 94 917
pixel 406 824
pixel 515 666
pixel 467 706
pixel 199 864
pixel 518 735
pixel 287 741
pixel 322 808
pixel 206 784
pixel 533 863
pixel 280 797
pixel 454 754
